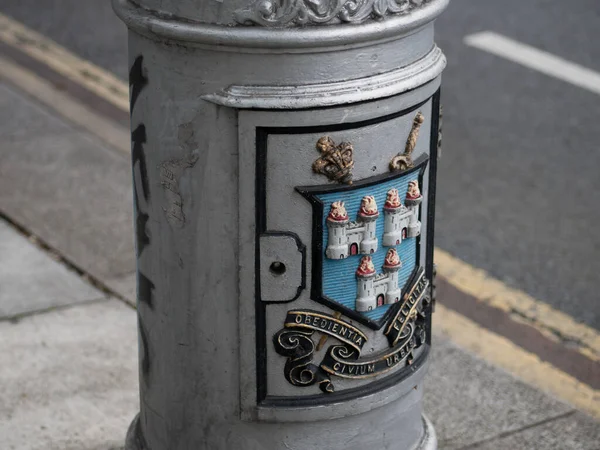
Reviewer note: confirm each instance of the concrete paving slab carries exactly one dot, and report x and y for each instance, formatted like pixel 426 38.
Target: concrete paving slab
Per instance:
pixel 72 192
pixel 575 432
pixel 468 400
pixel 16 113
pixel 69 378
pixel 30 280
pixel 125 286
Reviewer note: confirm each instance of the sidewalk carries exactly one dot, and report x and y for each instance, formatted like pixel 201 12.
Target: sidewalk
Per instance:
pixel 68 369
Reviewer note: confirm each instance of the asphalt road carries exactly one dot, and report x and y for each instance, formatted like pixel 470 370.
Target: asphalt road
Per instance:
pixel 519 175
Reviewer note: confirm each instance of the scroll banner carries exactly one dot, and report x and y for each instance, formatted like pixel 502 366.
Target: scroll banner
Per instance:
pixel 295 342
pixel 344 362
pixel 325 323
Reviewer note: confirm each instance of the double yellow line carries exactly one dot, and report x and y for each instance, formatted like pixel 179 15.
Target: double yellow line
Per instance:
pixel 92 77
pixel 502 352
pixel 490 346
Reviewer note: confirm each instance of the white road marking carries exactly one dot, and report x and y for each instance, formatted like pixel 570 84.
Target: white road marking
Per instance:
pixel 536 59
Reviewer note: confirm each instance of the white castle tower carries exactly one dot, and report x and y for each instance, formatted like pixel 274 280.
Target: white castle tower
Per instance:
pixel 401 221
pixel 395 219
pixel 413 201
pixel 366 299
pixel 337 221
pixel 391 266
pixel 368 214
pixel 373 289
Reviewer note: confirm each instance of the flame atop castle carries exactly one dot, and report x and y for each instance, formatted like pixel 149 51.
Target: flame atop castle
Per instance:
pixel 392 259
pixel 392 200
pixel 368 207
pixel 366 267
pixel 337 212
pixel 413 192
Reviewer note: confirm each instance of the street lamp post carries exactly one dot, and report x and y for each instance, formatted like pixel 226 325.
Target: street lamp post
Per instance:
pixel 284 165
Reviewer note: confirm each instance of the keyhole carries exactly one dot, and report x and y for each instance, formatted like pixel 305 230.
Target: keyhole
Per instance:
pixel 277 268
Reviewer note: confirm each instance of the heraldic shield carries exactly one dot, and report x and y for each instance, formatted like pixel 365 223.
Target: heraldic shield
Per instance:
pixel 366 242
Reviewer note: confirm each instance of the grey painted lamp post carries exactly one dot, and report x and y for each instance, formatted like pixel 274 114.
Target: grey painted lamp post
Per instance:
pixel 284 165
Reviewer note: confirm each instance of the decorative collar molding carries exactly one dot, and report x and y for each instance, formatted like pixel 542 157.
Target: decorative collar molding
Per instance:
pixel 284 31
pixel 287 13
pixel 382 85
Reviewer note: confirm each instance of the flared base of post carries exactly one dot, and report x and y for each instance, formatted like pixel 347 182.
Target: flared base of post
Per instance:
pixel 133 441
pixel 429 440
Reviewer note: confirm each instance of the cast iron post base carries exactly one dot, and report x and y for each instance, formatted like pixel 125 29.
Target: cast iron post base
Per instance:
pixel 133 441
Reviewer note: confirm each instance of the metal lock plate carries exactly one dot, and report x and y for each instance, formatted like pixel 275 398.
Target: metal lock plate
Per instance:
pixel 282 267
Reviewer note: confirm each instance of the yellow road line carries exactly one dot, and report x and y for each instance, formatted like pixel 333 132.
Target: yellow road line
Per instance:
pixel 97 80
pixel 109 132
pixel 501 352
pixel 554 324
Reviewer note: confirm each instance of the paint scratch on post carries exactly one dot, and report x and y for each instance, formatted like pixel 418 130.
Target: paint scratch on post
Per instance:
pixel 171 172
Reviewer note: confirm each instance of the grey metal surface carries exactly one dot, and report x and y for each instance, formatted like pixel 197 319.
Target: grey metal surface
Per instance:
pixel 195 172
pixel 426 441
